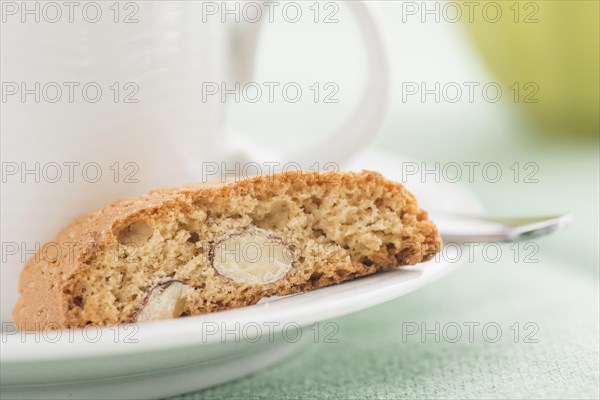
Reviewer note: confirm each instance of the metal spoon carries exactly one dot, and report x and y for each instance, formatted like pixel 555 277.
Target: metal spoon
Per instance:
pixel 462 228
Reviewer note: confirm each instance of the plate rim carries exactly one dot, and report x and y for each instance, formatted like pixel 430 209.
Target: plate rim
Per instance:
pixel 157 335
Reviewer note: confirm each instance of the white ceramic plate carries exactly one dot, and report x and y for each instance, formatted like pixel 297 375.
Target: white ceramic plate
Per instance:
pixel 145 361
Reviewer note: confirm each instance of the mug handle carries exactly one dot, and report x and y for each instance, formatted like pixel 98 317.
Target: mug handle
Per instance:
pixel 364 122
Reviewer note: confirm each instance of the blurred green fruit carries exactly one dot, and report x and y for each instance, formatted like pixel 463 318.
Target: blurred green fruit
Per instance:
pixel 547 52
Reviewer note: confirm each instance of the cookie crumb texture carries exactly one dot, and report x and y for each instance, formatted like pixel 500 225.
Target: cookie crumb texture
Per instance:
pixel 208 247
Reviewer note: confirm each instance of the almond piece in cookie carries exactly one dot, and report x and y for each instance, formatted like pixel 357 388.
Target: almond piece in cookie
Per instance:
pixel 254 256
pixel 165 300
pixel 202 248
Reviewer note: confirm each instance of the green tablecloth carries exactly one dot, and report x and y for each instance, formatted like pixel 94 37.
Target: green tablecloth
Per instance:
pixel 554 301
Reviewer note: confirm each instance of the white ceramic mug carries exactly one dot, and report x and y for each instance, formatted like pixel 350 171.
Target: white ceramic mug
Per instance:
pixel 65 152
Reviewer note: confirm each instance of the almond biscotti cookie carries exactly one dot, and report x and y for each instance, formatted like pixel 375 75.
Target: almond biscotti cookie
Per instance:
pixel 208 247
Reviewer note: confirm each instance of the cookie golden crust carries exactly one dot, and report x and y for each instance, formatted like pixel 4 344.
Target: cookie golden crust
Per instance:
pixel 202 248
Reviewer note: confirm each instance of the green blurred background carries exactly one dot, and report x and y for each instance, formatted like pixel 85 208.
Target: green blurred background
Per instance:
pixel 553 44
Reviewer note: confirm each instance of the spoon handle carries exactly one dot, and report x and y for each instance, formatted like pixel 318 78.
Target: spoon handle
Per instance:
pixel 483 229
